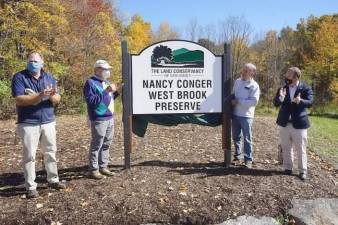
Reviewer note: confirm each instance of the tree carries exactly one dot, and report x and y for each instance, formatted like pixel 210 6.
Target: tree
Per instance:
pixel 208 44
pixel 236 31
pixel 162 53
pixel 138 33
pixel 95 35
pixel 193 30
pixel 26 26
pixel 321 64
pixel 165 32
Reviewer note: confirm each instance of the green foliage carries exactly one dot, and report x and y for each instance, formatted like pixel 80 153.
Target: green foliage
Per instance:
pixel 59 70
pixel 10 66
pixel 6 100
pixel 5 89
pixel 323 137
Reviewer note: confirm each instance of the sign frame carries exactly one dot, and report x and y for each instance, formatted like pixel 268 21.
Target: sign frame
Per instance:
pixel 127 99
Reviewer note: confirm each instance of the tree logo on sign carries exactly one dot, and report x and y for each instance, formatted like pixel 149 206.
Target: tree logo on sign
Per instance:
pixel 163 56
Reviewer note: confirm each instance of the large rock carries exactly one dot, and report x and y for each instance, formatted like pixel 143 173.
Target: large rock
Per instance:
pixel 319 211
pixel 250 220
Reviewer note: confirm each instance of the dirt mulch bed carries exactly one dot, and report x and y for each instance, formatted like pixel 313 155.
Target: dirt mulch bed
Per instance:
pixel 176 178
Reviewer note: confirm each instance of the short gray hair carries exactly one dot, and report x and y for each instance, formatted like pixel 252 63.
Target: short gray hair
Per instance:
pixel 250 66
pixel 35 53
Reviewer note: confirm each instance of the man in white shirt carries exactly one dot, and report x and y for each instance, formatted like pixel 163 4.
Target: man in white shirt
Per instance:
pixel 245 98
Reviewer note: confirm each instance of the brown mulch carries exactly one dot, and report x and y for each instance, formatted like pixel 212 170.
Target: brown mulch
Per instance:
pixel 177 177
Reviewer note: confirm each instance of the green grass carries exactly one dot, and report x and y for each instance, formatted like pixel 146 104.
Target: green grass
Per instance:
pixel 265 109
pixel 323 138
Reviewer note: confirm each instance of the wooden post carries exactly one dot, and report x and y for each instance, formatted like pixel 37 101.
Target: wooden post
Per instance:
pixel 226 104
pixel 126 102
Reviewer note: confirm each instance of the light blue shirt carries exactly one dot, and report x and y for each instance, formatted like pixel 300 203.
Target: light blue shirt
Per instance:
pixel 247 93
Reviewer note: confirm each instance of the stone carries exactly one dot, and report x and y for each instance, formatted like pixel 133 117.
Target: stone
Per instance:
pixel 250 220
pixel 321 211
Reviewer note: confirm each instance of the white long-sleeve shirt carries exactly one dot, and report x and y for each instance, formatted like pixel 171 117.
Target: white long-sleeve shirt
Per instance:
pixel 247 93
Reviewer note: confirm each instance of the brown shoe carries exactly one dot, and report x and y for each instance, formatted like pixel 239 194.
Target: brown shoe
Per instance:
pixel 95 174
pixel 57 186
pixel 106 172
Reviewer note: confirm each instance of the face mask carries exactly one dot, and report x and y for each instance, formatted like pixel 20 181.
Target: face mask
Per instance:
pixel 287 81
pixel 106 74
pixel 34 67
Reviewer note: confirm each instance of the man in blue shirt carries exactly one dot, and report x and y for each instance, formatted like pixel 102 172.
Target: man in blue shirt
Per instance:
pixel 35 94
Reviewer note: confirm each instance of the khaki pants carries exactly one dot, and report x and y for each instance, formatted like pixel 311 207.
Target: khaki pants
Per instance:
pixel 30 135
pixel 292 138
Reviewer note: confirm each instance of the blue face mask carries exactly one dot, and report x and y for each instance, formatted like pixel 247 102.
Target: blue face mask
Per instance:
pixel 34 67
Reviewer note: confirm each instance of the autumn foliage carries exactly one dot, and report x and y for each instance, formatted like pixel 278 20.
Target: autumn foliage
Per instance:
pixel 73 34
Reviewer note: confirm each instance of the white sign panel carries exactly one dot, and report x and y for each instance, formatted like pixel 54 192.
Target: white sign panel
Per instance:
pixel 176 77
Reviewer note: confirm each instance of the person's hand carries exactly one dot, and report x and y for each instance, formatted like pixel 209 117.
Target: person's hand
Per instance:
pixel 282 92
pixel 46 92
pixel 54 91
pixel 234 102
pixel 119 87
pixel 297 99
pixel 111 88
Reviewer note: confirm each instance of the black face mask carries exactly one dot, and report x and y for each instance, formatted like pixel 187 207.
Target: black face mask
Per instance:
pixel 287 81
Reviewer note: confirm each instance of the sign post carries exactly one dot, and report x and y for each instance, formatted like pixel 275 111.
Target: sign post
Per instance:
pixel 176 77
pixel 226 115
pixel 126 101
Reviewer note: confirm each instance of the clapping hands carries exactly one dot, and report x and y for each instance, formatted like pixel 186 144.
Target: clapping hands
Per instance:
pixel 297 99
pixel 48 92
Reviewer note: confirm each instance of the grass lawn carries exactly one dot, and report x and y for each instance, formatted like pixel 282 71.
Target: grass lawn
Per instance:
pixel 323 138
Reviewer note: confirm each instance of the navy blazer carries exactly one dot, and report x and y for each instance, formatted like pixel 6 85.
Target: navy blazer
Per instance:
pixel 299 115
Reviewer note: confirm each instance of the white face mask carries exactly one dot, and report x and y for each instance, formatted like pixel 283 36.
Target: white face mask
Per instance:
pixel 106 74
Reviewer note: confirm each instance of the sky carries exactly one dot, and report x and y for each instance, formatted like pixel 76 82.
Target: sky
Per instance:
pixel 263 15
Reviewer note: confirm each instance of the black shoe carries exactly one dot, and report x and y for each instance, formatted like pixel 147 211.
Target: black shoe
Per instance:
pixel 303 176
pixel 32 194
pixel 57 186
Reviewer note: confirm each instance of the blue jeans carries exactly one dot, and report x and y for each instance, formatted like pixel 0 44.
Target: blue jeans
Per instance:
pixel 242 125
